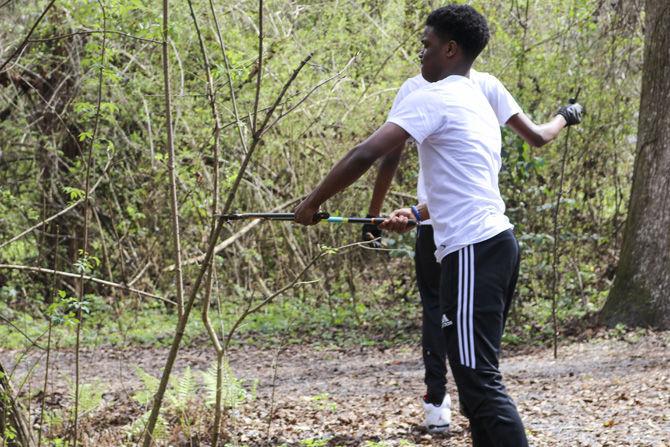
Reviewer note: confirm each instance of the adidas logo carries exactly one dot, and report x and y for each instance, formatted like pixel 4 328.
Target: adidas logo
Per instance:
pixel 446 322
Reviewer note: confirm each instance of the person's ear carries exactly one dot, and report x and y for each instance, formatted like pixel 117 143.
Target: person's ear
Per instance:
pixel 450 48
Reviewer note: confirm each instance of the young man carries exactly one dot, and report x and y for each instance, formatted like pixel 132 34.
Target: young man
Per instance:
pixel 436 402
pixel 459 146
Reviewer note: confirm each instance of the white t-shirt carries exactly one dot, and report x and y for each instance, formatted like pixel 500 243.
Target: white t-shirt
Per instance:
pixel 501 101
pixel 459 151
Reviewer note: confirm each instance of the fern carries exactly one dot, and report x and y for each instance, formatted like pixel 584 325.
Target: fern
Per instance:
pixel 254 390
pixel 145 395
pixel 209 378
pixel 181 393
pixel 136 429
pixel 53 419
pixel 90 396
pixel 232 389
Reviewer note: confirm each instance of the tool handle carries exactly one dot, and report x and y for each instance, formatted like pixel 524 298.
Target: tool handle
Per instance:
pixel 574 98
pixel 363 220
pixel 318 217
pixel 270 216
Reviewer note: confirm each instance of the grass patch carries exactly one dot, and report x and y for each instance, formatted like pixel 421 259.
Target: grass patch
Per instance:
pixel 382 319
pixel 287 321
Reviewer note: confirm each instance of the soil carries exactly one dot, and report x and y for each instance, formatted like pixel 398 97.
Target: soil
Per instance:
pixel 601 392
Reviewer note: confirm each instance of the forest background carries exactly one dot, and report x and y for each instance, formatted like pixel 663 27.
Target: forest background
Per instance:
pixel 83 129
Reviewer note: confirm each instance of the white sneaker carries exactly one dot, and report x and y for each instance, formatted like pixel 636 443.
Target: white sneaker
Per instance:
pixel 438 418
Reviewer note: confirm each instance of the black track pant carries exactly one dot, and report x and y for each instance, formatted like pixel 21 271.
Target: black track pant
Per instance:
pixel 476 290
pixel 432 338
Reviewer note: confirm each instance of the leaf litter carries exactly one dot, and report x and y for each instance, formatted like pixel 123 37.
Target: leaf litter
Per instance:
pixel 601 392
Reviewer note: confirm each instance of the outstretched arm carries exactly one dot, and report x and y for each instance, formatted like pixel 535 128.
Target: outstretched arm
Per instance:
pixel 540 134
pixel 387 138
pixel 387 169
pixel 536 134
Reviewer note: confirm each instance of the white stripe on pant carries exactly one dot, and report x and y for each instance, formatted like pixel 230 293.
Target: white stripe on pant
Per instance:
pixel 459 312
pixel 465 312
pixel 471 313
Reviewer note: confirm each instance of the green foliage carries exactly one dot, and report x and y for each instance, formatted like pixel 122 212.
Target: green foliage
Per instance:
pixel 74 193
pixel 9 433
pixel 405 443
pixel 90 400
pixel 315 442
pixel 86 263
pixel 322 402
pixel 8 430
pixel 146 393
pixel 180 393
pixel 619 330
pixel 328 250
pixel 543 52
pixel 90 396
pixel 183 391
pixel 55 419
pixel 178 397
pixel 233 391
pixel 136 428
pixel 64 309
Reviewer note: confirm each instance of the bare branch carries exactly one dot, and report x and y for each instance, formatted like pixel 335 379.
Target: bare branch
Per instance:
pixel 288 83
pixel 215 206
pixel 179 334
pixel 139 274
pixel 60 213
pixel 249 310
pixel 258 135
pixel 26 336
pixel 309 93
pixel 259 74
pixel 174 204
pixel 229 75
pixel 229 241
pixel 48 359
pixel 87 180
pixel 30 33
pixel 86 277
pixel 214 235
pixel 93 31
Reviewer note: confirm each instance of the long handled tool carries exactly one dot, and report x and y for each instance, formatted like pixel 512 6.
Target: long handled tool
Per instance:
pixel 322 216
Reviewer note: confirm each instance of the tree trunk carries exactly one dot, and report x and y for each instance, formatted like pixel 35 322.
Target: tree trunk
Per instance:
pixel 12 419
pixel 641 292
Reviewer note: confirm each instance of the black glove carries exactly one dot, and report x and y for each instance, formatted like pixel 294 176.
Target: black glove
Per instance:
pixel 572 112
pixel 370 232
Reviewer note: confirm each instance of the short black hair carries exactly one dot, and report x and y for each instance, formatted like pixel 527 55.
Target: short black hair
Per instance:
pixel 463 24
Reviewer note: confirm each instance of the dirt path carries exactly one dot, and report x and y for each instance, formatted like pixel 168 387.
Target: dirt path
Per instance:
pixel 600 393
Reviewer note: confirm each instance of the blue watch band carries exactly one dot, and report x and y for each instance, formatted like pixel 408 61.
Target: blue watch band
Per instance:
pixel 416 213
